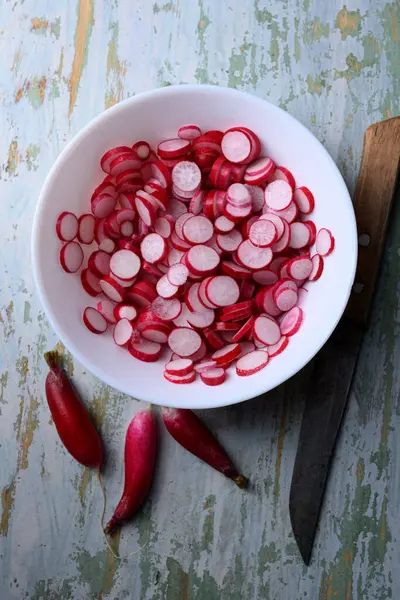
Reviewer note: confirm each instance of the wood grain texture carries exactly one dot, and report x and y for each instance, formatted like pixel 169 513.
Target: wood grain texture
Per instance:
pixel 335 67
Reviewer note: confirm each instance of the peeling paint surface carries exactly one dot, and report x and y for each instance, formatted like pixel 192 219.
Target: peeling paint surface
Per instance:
pixel 336 67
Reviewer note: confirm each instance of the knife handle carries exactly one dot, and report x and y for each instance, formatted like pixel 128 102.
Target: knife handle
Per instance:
pixel 373 200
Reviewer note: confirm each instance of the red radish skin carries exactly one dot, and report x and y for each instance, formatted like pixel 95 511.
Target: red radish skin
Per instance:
pixel 70 417
pixel 191 433
pixel 140 454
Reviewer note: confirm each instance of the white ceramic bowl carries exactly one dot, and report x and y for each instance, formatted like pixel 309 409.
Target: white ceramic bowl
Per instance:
pixel 155 116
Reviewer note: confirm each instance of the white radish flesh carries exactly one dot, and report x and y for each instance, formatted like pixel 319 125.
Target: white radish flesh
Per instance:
pixel 252 363
pixel 154 248
pixel 125 264
pixel 122 332
pixel 67 226
pixel 94 320
pixel 325 242
pixel 278 195
pixel 71 257
pixel 184 341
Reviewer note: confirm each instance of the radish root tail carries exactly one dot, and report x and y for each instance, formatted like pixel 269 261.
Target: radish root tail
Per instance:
pixel 117 556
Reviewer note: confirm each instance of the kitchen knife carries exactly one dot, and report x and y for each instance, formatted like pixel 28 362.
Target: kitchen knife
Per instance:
pixel 334 366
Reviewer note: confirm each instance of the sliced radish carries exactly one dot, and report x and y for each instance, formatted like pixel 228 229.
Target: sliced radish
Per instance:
pixel 222 290
pixel 317 267
pixel 265 277
pixel 252 363
pixel 94 320
pixel 112 289
pixel 122 332
pixel 254 257
pixel 202 260
pixel 236 146
pixel 263 233
pixel 184 341
pixel 111 155
pixel 266 330
pixel 289 214
pixel 242 332
pixel 178 274
pixel 204 365
pixel 125 311
pixel 304 200
pixel 239 195
pixel 277 221
pixel 67 226
pixel 165 289
pixel 127 229
pixel 146 210
pixel 223 225
pixel 163 226
pixel 189 132
pixel 90 283
pixel 125 264
pixel 173 148
pixel 213 339
pixel 156 333
pixel 196 202
pixel 292 321
pixel 197 230
pixel 180 379
pixel 126 162
pixel 302 296
pixel 221 326
pixel 127 200
pixel 179 223
pixel 266 303
pixel 226 354
pixel 285 299
pixel 141 149
pixel 106 187
pixel 259 171
pixel 278 195
pixel 103 205
pixel 213 376
pixel 175 257
pixel 107 245
pixel 71 257
pixel 201 320
pixel 180 366
pixel 229 242
pixel 154 248
pixel 300 268
pixel 106 308
pixel 299 235
pixel 283 174
pixel 235 270
pixel 192 299
pixel 145 350
pixel 283 243
pixel 325 242
pixel 186 176
pixel 167 309
pixel 279 347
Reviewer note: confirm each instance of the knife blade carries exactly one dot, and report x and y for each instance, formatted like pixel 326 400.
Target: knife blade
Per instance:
pixel 334 366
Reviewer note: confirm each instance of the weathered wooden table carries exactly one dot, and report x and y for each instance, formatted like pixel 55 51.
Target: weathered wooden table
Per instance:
pixel 337 69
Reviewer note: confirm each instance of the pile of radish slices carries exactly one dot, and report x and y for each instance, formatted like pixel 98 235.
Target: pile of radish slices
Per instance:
pixel 204 246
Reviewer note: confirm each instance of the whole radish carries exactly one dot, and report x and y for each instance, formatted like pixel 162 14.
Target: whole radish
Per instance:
pixel 70 417
pixel 140 453
pixel 191 433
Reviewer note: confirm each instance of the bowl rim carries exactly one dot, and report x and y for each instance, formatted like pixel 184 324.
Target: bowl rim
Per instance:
pixel 70 147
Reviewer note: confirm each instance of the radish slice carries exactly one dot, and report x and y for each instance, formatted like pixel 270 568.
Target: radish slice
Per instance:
pixel 281 173
pixel 279 347
pixel 253 257
pixel 67 226
pixel 283 243
pixel 163 226
pixel 304 200
pixel 154 248
pixel 317 267
pixel 292 321
pixel 127 229
pixel 106 308
pixel 71 257
pixel 156 333
pixel 122 332
pixel 259 171
pixel 204 365
pixel 277 221
pixel 300 235
pixel 239 195
pixel 240 334
pixel 180 378
pixel 222 290
pixel 192 299
pixel 202 260
pixel 90 283
pixel 180 366
pixel 179 223
pixel 165 289
pixel 325 242
pixel 285 299
pixel 226 354
pixel 167 309
pixel 266 330
pixel 266 302
pixel 265 277
pixel 224 225
pixel 300 268
pixel 236 271
pixel 178 274
pixel 173 148
pixel 184 341
pixel 201 320
pixel 302 296
pixel 107 245
pixel 236 146
pixel 103 205
pixel 252 363
pixel 213 376
pixel 263 233
pixel 94 320
pixel 145 350
pixel 145 210
pixel 125 311
pixel 112 289
pixel 197 230
pixel 257 197
pixel 175 257
pixel 278 195
pixel 189 132
pixel 141 149
pixel 125 264
pixel 229 242
pixel 196 202
pixel 186 176
pixel 111 155
pixel 289 214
